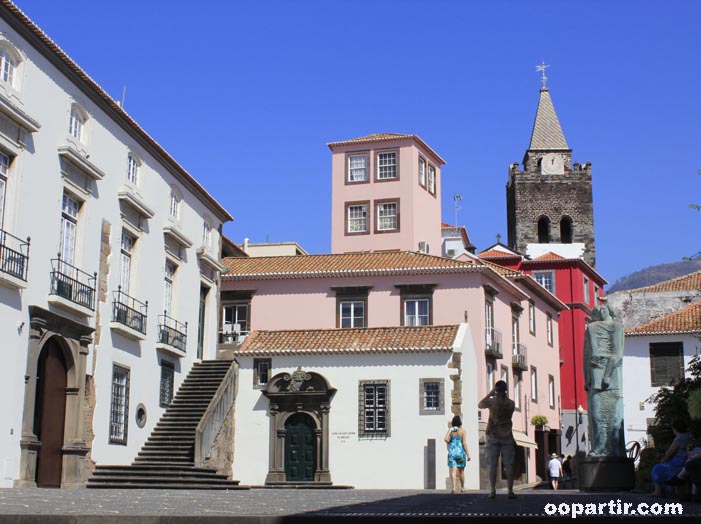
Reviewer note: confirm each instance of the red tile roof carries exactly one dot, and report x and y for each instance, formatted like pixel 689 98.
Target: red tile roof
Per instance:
pixel 346 264
pixel 385 137
pixel 497 253
pixel 420 339
pixel 687 320
pixel 548 256
pixel 461 229
pixel 690 282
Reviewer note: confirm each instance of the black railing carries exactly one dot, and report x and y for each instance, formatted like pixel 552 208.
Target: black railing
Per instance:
pixel 14 255
pixel 172 332
pixel 69 282
pixel 492 343
pixel 129 311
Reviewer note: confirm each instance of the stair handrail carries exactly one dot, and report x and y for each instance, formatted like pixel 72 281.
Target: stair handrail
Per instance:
pixel 217 411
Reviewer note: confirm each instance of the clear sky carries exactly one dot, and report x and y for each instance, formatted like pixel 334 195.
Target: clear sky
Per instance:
pixel 245 95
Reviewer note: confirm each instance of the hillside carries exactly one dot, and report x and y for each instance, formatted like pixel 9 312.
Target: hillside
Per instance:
pixel 654 274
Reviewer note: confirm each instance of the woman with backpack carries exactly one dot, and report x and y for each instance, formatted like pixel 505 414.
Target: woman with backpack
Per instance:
pixel 458 456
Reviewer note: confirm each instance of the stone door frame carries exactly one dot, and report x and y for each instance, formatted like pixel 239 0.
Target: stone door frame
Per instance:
pixel 74 340
pixel 289 394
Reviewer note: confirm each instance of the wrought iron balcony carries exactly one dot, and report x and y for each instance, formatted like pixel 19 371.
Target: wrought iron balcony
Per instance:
pixel 171 332
pixel 14 255
pixel 518 359
pixel 232 334
pixel 73 284
pixel 128 311
pixel 492 343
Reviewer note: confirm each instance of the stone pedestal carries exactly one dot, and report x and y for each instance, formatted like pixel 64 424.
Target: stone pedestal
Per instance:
pixel 605 474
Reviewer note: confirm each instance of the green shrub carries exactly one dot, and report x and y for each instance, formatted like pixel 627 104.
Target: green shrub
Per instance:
pixel 539 420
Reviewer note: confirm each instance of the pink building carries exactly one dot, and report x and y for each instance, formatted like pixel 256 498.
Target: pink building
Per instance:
pixel 386 194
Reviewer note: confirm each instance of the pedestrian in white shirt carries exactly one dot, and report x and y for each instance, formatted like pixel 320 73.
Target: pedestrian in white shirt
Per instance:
pixel 555 470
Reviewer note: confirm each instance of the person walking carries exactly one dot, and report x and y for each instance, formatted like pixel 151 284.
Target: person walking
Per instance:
pixel 458 456
pixel 500 439
pixel 555 470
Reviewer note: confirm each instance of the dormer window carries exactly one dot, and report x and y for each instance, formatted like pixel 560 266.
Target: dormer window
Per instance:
pixel 76 124
pixel 133 169
pixel 8 66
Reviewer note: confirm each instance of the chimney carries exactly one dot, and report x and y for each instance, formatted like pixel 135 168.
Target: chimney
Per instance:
pixel 245 245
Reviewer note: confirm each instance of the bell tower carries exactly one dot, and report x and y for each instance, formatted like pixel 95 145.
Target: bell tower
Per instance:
pixel 549 201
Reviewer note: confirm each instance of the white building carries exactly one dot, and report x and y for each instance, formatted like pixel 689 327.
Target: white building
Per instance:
pixel 116 294
pixel 656 354
pixel 363 407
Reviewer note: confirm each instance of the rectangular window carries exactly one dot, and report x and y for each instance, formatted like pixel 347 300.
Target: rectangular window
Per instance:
pixel 261 372
pixel 168 287
pixel 373 407
pixel 127 246
pixel 4 169
pixel 417 312
pixel 358 168
pixel 431 396
pixel 422 172
pixel 174 208
pixel 534 384
pixel 551 391
pixel 505 376
pixel 76 123
pixel 515 335
pixel 596 293
pixel 207 235
pixel 490 375
pixel 236 315
pixel 351 313
pixel 167 383
pixel 387 216
pixel 132 170
pixel 202 319
pixel 549 327
pixel 119 409
pixel 545 279
pixel 531 318
pixel 69 226
pixel 357 218
pixel 431 179
pixel 666 363
pixel 387 165
pixel 517 390
pixel 585 290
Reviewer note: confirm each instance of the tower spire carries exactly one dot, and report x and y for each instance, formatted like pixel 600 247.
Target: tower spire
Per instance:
pixel 547 133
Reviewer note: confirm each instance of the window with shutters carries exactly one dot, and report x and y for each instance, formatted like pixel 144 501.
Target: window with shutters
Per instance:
pixel 666 363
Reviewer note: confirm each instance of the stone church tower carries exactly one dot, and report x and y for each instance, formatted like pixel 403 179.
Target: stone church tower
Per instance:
pixel 549 203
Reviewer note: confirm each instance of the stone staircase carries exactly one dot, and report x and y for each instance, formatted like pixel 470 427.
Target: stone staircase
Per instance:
pixel 166 461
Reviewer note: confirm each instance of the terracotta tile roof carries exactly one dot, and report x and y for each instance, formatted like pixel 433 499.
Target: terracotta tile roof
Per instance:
pixel 529 282
pixel 461 229
pixel 548 256
pixel 496 253
pixel 385 137
pixel 687 320
pixel 41 41
pixel 690 282
pixel 346 264
pixel 507 272
pixel 358 340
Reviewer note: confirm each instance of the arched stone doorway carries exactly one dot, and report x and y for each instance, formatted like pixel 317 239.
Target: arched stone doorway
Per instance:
pixel 50 413
pixel 58 346
pixel 299 428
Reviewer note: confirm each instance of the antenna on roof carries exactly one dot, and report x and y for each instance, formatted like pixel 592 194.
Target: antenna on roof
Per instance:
pixel 456 198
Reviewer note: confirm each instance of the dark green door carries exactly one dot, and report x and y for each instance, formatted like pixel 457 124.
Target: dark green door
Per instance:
pixel 300 453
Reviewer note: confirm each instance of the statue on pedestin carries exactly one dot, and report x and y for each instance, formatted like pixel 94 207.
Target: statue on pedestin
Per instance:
pixel 603 381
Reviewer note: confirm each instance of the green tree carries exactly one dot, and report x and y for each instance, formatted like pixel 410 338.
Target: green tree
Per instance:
pixel 673 403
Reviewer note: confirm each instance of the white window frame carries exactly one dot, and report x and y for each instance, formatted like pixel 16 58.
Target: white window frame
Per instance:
pixel 412 312
pixel 355 170
pixel 207 235
pixel 422 172
pixel 262 367
pixel 174 210
pixel 77 123
pixel 387 165
pixel 351 317
pixel 490 375
pixel 551 391
pixel 133 170
pixel 126 252
pixel 534 384
pixel 585 289
pixel 355 222
pixel 230 316
pixel 432 179
pixel 70 209
pixel 518 379
pixel 545 279
pixel 549 328
pixel 8 66
pixel 170 269
pixel 531 318
pixel 387 220
pixel 431 396
pixel 515 334
pixel 119 405
pixel 5 161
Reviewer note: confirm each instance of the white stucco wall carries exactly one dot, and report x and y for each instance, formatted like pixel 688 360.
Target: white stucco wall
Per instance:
pixel 397 461
pixel 637 388
pixel 35 186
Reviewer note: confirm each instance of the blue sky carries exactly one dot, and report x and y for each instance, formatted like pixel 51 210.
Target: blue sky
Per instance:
pixel 245 95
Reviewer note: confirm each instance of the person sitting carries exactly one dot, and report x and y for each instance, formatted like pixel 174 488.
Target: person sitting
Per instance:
pixel 674 458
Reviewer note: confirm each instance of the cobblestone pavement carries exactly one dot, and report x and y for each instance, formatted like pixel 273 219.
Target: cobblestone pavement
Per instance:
pixel 280 505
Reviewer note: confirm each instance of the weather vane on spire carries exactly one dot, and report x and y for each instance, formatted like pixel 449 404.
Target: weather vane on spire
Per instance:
pixel 542 67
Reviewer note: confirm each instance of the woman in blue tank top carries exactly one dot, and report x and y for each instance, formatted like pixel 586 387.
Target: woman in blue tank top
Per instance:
pixel 458 455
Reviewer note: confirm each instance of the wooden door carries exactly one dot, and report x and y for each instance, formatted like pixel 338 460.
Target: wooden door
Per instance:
pixel 50 414
pixel 300 449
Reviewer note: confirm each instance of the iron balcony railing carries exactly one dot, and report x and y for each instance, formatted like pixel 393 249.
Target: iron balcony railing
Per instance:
pixel 128 311
pixel 71 283
pixel 172 332
pixel 492 343
pixel 232 334
pixel 519 359
pixel 14 255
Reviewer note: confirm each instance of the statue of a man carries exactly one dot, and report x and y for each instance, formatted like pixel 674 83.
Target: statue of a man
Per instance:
pixel 603 381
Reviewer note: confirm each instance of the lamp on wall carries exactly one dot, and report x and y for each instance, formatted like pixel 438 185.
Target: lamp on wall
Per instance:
pixel 580 412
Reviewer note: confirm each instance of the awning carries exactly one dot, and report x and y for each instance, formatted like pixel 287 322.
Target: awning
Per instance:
pixel 524 440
